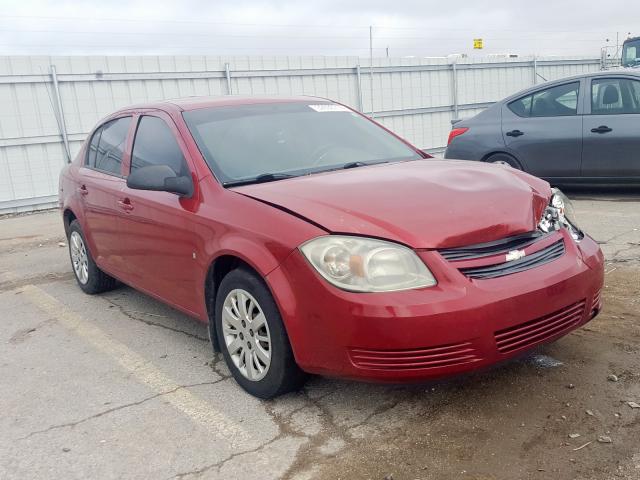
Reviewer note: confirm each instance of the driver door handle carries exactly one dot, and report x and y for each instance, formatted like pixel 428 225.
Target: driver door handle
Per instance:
pixel 83 190
pixel 514 133
pixel 601 129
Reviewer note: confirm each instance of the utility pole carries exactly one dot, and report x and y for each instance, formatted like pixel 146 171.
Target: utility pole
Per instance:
pixel 371 66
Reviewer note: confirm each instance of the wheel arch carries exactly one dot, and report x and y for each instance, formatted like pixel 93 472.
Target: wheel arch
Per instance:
pixel 68 216
pixel 218 268
pixel 486 157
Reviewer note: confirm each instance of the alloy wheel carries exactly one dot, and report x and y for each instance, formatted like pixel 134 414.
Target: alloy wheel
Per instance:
pixel 79 257
pixel 246 334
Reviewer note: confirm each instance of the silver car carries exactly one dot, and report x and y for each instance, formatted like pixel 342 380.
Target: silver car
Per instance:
pixel 582 129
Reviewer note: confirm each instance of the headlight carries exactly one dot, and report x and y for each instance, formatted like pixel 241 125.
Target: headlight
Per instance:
pixel 366 265
pixel 560 213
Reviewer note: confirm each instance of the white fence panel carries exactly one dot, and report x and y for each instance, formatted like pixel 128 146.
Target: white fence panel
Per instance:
pixel 415 97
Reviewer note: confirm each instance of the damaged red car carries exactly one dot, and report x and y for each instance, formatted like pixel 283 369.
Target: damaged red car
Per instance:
pixel 313 240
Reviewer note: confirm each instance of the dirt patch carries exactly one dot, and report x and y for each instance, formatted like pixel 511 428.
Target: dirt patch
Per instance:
pixel 517 421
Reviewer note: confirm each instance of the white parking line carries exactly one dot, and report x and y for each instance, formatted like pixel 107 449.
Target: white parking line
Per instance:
pixel 141 369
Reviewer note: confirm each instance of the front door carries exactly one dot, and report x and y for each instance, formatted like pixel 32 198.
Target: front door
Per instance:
pixel 157 228
pixel 612 129
pixel 543 130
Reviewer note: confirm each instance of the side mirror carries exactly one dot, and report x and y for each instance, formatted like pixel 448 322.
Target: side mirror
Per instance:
pixel 160 178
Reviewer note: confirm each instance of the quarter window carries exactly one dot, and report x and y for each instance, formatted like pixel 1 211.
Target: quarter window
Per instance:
pixel 611 96
pixel 93 148
pixel 558 101
pixel 155 144
pixel 107 146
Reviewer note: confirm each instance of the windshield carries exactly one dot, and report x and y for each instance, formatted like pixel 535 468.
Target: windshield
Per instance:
pixel 631 53
pixel 265 142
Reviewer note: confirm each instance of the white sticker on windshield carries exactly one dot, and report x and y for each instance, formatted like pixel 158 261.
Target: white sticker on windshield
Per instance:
pixel 329 107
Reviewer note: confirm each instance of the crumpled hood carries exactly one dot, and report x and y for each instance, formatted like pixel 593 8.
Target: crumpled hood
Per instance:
pixel 423 203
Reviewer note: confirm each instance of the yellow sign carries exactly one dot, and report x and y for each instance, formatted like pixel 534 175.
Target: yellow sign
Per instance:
pixel 477 44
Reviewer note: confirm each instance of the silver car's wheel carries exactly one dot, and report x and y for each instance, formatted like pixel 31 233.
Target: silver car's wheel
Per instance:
pixel 502 162
pixel 246 334
pixel 79 257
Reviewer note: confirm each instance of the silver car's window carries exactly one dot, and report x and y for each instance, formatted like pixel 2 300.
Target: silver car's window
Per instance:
pixel 614 96
pixel 558 101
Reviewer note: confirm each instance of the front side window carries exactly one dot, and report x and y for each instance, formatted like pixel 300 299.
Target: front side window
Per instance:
pixel 269 141
pixel 155 144
pixel 558 101
pixel 107 156
pixel 611 96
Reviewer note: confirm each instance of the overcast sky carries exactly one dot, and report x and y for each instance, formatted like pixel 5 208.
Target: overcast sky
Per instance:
pixel 318 27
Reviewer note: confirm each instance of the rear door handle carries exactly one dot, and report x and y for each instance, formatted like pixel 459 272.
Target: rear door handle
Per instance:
pixel 602 129
pixel 83 190
pixel 125 204
pixel 514 133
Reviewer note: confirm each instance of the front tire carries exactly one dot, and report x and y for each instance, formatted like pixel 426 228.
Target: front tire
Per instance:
pixel 252 337
pixel 90 278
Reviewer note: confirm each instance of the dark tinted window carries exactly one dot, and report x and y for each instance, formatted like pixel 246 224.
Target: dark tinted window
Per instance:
pixel 111 145
pixel 242 142
pixel 610 96
pixel 93 148
pixel 522 106
pixel 551 102
pixel 155 144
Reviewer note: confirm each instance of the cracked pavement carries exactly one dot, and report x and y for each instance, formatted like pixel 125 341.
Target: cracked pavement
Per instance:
pixel 121 386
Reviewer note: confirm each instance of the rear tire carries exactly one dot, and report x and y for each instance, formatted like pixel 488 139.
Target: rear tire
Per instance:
pixel 504 159
pixel 252 337
pixel 90 278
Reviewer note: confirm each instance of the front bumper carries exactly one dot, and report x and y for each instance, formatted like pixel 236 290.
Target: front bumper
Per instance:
pixel 457 326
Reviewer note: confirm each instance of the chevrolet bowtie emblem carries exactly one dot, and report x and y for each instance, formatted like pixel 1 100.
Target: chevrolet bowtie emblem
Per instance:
pixel 514 255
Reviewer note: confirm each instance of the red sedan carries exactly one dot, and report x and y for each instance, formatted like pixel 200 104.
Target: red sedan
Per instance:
pixel 311 239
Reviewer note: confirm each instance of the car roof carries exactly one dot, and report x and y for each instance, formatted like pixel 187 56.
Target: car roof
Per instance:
pixel 197 102
pixel 550 83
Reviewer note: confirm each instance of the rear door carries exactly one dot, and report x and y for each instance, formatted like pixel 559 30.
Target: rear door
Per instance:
pixel 543 130
pixel 612 129
pixel 157 234
pixel 100 187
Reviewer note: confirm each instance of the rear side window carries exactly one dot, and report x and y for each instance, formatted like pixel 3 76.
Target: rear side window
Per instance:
pixel 611 96
pixel 155 144
pixel 522 106
pixel 558 101
pixel 107 146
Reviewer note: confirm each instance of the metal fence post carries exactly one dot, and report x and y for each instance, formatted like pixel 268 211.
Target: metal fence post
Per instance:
pixel 227 74
pixel 359 86
pixel 371 66
pixel 535 70
pixel 454 73
pixel 62 126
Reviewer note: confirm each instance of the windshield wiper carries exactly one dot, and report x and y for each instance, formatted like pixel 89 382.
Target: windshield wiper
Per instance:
pixel 361 164
pixel 262 178
pixel 354 165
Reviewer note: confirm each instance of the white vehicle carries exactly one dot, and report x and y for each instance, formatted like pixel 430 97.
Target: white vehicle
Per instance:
pixel 631 53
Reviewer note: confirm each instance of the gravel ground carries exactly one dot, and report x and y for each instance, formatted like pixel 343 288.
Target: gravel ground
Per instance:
pixel 121 386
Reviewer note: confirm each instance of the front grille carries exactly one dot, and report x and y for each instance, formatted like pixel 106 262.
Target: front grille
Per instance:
pixel 530 333
pixel 421 358
pixel 546 255
pixel 479 250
